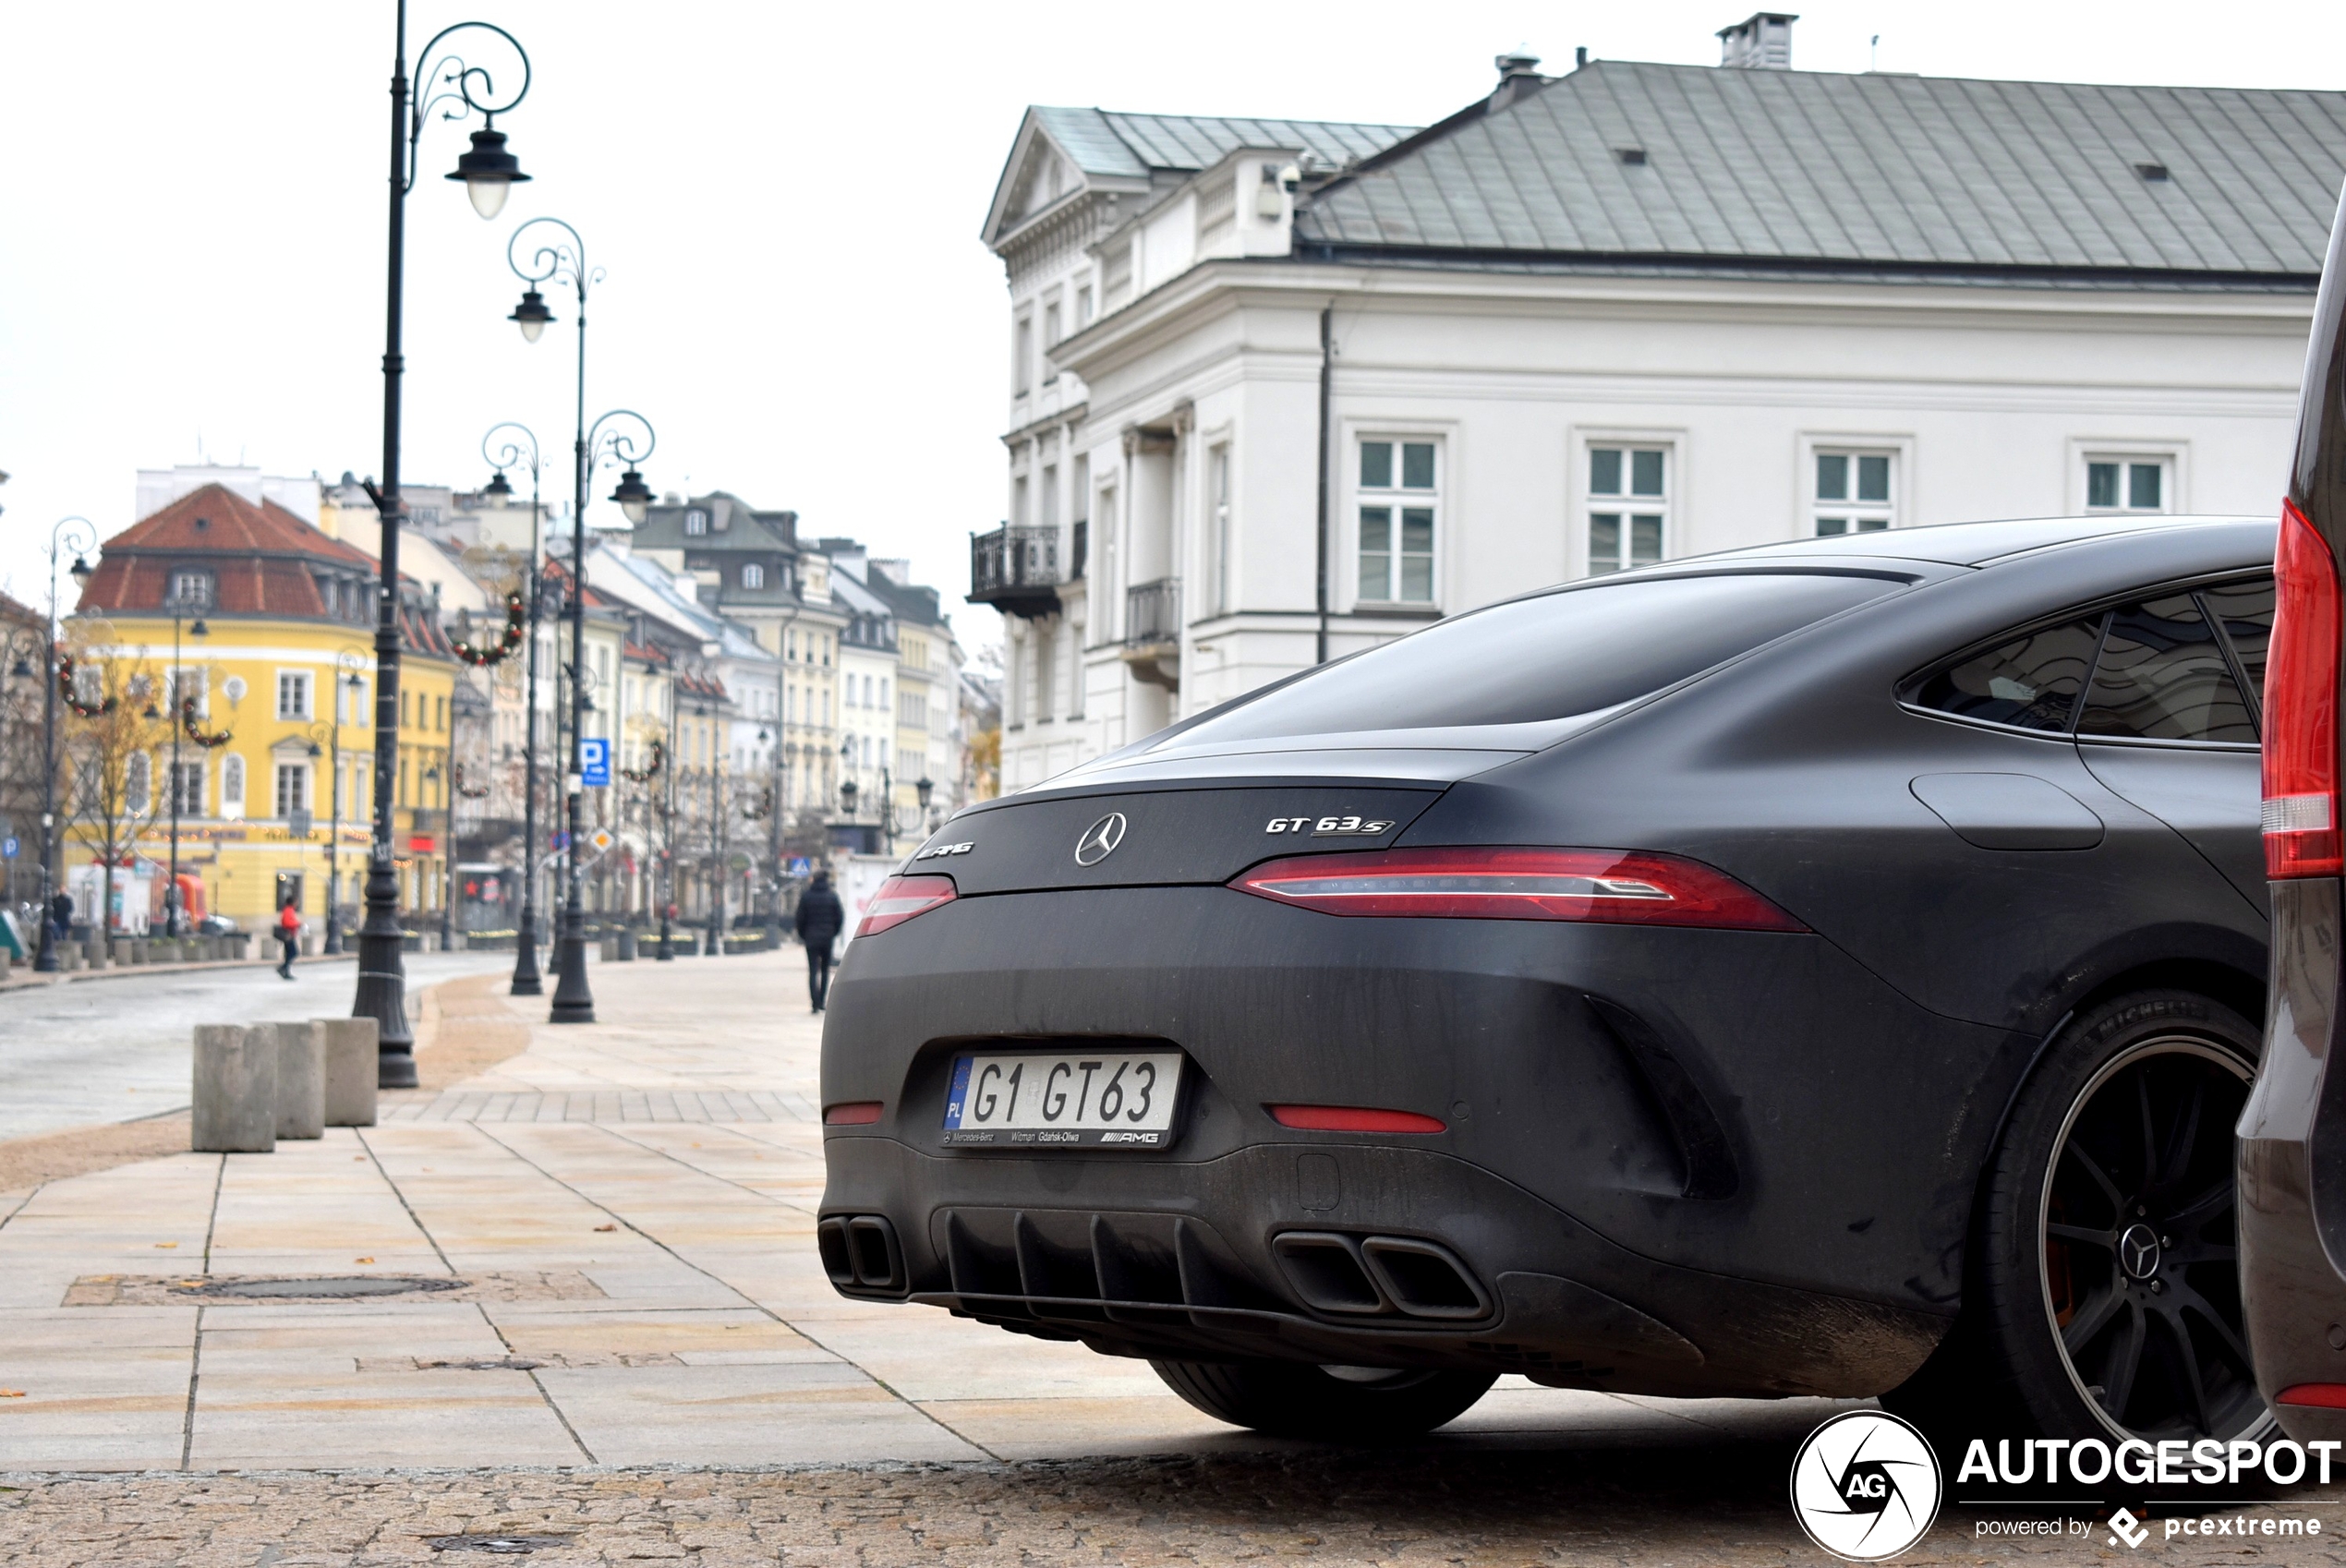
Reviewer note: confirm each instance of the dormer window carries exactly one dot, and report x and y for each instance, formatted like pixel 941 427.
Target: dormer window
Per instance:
pixel 696 520
pixel 752 575
pixel 191 589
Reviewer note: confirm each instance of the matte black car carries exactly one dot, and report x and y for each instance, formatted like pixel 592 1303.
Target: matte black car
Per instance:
pixel 2292 1138
pixel 1832 968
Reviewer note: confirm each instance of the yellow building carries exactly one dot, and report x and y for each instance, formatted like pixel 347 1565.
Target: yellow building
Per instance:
pixel 275 763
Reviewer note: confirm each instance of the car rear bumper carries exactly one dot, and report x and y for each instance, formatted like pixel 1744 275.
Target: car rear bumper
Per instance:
pixel 2293 1166
pixel 1673 1161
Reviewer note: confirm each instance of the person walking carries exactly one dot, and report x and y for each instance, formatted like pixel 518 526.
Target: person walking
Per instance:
pixel 820 919
pixel 61 916
pixel 289 935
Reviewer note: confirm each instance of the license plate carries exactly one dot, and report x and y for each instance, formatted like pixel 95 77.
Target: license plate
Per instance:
pixel 1085 1099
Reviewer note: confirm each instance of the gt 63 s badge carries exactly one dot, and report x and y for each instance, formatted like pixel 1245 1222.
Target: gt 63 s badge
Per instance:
pixel 1332 827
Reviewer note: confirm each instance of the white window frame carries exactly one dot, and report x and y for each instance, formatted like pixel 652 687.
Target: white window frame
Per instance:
pixel 1221 542
pixel 2169 456
pixel 1023 354
pixel 1395 498
pixel 1898 449
pixel 752 575
pixel 277 776
pixel 1588 502
pixel 696 522
pixel 304 680
pixel 231 787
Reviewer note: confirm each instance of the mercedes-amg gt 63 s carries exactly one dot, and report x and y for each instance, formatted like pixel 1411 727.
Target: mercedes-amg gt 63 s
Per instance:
pixel 1832 968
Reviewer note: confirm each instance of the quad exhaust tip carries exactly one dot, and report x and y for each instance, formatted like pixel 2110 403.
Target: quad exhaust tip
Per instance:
pixel 1379 1276
pixel 860 1252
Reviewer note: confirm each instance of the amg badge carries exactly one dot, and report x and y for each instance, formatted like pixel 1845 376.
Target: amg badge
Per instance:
pixel 1332 827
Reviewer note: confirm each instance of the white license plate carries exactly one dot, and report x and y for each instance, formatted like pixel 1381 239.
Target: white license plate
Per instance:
pixel 1082 1099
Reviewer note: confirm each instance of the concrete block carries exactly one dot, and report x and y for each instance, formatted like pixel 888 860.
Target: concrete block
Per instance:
pixel 351 1069
pixel 235 1089
pixel 301 1078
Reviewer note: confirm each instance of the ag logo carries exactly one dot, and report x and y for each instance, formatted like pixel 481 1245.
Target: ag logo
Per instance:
pixel 1865 1486
pixel 1100 840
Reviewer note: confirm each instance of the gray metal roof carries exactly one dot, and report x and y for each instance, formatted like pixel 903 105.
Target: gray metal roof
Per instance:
pixel 1104 141
pixel 1893 171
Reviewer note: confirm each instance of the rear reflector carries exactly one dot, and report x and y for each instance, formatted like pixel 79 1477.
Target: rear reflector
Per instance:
pixel 2320 1397
pixel 901 897
pixel 854 1113
pixel 1613 886
pixel 1351 1118
pixel 2300 708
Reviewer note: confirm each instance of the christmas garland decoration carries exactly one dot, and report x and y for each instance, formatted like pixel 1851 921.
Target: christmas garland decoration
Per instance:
pixel 763 809
pixel 65 689
pixel 188 722
pixel 660 760
pixel 469 794
pixel 516 624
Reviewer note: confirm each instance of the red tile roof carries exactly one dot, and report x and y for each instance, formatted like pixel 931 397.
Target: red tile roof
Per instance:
pixel 262 557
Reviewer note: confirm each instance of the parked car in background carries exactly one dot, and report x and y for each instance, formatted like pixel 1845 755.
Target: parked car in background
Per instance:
pixel 2292 1138
pixel 1831 968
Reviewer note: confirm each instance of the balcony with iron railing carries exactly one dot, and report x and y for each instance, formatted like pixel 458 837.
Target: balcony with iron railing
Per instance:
pixel 1153 632
pixel 1016 570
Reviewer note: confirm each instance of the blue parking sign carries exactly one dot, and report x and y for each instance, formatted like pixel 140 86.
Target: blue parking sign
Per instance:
pixel 594 763
pixel 8 848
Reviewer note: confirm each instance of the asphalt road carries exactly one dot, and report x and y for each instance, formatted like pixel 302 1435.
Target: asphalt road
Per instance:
pixel 117 1048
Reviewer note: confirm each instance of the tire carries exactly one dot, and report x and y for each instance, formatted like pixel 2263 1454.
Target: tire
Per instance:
pixel 1357 1405
pixel 2104 1298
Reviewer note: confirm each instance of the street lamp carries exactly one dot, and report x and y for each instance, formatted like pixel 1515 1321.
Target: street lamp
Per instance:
pixel 526 977
pixel 80 536
pixel 183 602
pixel 562 258
pixel 456 88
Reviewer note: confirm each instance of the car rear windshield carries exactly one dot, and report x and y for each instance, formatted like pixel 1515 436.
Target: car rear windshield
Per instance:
pixel 1533 661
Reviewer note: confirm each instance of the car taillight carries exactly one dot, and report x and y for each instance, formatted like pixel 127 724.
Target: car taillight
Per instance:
pixel 901 897
pixel 2300 708
pixel 1613 886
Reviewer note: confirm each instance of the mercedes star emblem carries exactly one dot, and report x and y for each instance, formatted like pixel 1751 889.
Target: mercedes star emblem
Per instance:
pixel 1100 840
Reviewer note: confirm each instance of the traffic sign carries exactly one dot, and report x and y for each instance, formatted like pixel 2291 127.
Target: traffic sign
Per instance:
pixel 800 865
pixel 559 840
pixel 8 848
pixel 594 759
pixel 600 839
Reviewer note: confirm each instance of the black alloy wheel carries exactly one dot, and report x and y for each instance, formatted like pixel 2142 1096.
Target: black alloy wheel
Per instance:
pixel 2112 1287
pixel 1357 1405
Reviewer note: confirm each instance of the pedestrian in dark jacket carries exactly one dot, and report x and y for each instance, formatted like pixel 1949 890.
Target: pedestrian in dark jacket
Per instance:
pixel 820 919
pixel 61 916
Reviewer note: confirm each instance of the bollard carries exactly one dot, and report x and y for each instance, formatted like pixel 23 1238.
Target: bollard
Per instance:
pixel 352 1067
pixel 627 943
pixel 301 1078
pixel 235 1089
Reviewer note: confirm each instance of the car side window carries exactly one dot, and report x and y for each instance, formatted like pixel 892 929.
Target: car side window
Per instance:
pixel 2245 612
pixel 2031 683
pixel 2163 676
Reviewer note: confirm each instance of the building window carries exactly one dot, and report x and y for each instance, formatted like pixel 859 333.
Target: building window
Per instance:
pixel 696 521
pixel 752 575
pixel 137 784
pixel 1023 362
pixel 1218 500
pixel 1399 495
pixel 293 788
pixel 1050 339
pixel 1082 307
pixel 1853 493
pixel 1629 506
pixel 191 589
pixel 187 789
pixel 232 786
pixel 2128 484
pixel 292 694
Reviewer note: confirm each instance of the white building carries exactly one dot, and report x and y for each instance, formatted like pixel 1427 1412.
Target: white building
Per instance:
pixel 1637 312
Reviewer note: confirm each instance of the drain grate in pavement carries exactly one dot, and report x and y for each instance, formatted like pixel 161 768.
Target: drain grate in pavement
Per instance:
pixel 331 1287
pixel 496 1545
pixel 476 1364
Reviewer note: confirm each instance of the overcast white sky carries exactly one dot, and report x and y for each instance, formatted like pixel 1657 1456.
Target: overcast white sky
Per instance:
pixel 786 198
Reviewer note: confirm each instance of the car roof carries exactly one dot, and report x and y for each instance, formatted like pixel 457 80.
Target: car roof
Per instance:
pixel 1966 544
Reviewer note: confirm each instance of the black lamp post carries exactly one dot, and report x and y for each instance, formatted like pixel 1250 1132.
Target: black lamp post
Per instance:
pixel 182 603
pixel 80 536
pixel 526 977
pixel 347 663
pixel 565 259
pixel 457 88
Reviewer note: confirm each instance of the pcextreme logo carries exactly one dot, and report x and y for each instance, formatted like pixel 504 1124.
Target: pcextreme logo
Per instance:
pixel 1865 1486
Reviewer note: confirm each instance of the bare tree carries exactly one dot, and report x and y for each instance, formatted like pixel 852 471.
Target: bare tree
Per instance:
pixel 117 714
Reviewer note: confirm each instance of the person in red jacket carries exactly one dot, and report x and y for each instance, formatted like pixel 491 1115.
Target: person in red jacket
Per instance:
pixel 288 933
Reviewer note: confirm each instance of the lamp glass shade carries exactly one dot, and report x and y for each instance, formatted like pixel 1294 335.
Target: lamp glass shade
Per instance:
pixel 489 196
pixel 532 331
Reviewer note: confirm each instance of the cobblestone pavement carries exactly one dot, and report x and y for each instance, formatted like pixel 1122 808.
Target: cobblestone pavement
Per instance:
pixel 1702 1507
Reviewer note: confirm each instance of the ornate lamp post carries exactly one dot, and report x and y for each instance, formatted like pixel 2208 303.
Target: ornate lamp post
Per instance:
pixel 349 664
pixel 526 977
pixel 447 82
pixel 562 258
pixel 80 536
pixel 183 713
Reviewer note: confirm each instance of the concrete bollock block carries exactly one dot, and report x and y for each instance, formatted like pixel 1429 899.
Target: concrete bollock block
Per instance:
pixel 235 1089
pixel 352 1069
pixel 301 1078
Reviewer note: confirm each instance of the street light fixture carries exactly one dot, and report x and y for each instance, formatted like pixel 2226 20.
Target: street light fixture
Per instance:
pixel 531 315
pixel 79 535
pixel 527 981
pixel 563 258
pixel 447 83
pixel 182 602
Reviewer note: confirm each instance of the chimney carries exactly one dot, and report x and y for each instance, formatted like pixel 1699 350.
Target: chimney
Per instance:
pixel 1763 43
pixel 1518 74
